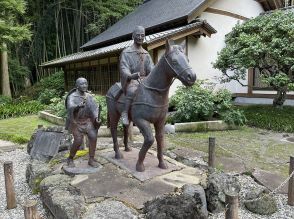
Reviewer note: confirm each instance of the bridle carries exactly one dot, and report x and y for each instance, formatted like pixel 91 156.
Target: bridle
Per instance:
pixel 177 75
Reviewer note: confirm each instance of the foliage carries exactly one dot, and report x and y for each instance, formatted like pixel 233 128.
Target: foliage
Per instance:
pixel 5 100
pixel 269 117
pixel 17 75
pixel 16 109
pixel 106 13
pixel 197 104
pixel 265 42
pixel 48 88
pixel 47 95
pixel 10 29
pixel 234 117
pixel 57 107
pixel 20 130
pixel 61 27
pixel 101 101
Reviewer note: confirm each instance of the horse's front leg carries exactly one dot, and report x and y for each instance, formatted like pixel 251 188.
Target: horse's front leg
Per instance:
pixel 146 130
pixel 159 135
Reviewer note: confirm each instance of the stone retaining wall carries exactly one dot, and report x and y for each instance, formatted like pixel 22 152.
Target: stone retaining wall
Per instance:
pixel 217 125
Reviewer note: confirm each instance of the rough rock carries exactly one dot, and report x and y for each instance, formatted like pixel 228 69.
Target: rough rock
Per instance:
pixel 110 210
pixel 188 204
pixel 61 199
pixel 265 206
pixel 198 193
pixel 217 185
pixel 46 143
pixel 36 171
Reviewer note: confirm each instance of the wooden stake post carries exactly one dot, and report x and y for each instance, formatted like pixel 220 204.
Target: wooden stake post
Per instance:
pixel 291 183
pixel 232 203
pixel 9 185
pixel 30 210
pixel 211 149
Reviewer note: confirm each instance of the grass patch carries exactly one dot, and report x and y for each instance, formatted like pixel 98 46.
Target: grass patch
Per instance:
pixel 269 117
pixel 20 130
pixel 257 147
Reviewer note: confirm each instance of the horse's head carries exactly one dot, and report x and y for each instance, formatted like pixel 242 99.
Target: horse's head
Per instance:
pixel 179 64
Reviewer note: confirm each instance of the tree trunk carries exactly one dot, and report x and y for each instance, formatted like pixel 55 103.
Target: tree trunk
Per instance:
pixel 5 85
pixel 280 98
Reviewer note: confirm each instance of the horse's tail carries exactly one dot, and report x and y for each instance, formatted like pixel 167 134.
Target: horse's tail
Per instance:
pixel 108 120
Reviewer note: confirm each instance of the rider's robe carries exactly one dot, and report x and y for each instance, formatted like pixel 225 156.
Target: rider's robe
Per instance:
pixel 133 61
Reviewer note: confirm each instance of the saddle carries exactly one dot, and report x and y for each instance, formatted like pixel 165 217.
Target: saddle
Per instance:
pixel 116 90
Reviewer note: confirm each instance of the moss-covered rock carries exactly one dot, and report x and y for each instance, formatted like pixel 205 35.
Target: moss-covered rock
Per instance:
pixel 36 171
pixel 63 200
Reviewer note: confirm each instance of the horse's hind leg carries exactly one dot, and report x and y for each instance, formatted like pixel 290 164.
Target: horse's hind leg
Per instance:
pixel 159 136
pixel 126 138
pixel 146 130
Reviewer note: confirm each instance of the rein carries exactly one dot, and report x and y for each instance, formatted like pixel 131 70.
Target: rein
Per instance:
pixel 178 75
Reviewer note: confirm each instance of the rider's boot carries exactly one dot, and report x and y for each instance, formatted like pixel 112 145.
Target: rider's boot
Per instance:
pixel 124 114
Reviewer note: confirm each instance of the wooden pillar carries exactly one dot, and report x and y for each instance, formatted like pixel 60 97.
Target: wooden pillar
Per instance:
pixel 9 185
pixel 30 210
pixel 211 149
pixel 250 80
pixel 232 203
pixel 291 183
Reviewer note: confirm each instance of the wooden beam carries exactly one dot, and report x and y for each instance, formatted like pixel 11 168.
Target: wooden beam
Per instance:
pixel 253 95
pixel 175 37
pixel 226 13
pixel 194 14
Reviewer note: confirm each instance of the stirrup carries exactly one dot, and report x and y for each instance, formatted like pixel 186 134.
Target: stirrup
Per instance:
pixel 125 119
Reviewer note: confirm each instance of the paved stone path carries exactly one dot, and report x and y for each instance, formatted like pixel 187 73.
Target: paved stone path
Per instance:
pixel 7 146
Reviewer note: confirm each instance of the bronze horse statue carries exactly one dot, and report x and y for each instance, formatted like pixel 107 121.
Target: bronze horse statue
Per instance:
pixel 150 104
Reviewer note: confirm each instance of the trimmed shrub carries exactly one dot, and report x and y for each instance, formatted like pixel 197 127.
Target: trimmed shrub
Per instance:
pixel 16 109
pixel 269 117
pixel 52 85
pixel 5 100
pixel 197 103
pixel 57 107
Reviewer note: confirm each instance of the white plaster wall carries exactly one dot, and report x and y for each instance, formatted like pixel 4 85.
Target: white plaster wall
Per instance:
pixel 203 51
pixel 246 8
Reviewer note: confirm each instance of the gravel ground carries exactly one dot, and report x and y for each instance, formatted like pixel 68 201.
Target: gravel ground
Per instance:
pixel 247 183
pixel 20 159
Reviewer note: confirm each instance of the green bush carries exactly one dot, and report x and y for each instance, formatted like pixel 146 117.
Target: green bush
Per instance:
pixel 234 117
pixel 16 109
pixel 5 100
pixel 197 103
pixel 269 117
pixel 49 85
pixel 101 101
pixel 46 96
pixel 57 107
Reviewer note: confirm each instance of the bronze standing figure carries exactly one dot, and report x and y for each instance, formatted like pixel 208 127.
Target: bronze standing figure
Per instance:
pixel 82 118
pixel 150 103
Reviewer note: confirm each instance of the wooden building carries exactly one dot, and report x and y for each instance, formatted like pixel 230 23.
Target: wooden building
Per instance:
pixel 182 20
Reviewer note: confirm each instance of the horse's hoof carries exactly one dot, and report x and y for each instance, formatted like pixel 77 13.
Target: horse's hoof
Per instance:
pixel 127 149
pixel 162 165
pixel 119 155
pixel 140 167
